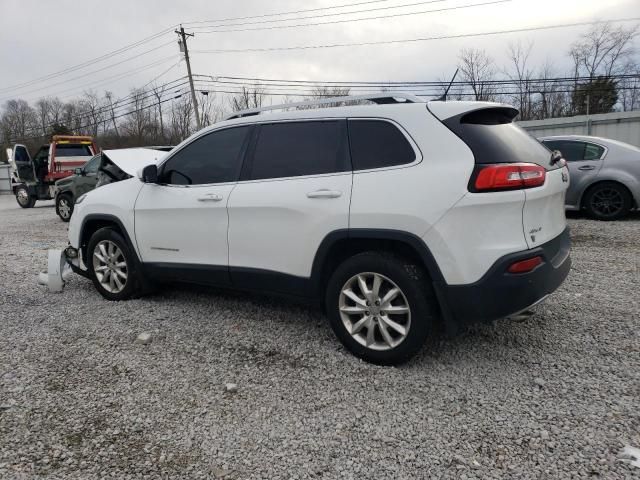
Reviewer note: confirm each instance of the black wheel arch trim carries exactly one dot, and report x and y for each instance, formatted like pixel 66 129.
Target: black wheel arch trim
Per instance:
pixel 110 219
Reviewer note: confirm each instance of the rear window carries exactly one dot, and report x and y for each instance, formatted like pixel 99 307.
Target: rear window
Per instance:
pixel 295 149
pixel 378 144
pixel 73 151
pixel 494 138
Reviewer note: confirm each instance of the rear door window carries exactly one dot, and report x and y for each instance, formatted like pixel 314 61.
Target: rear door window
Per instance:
pixel 573 151
pixel 294 149
pixel 378 144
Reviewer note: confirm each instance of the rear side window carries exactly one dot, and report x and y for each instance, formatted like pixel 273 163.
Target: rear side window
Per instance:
pixel 593 152
pixel 493 138
pixel 295 149
pixel 576 151
pixel 378 144
pixel 73 151
pixel 213 158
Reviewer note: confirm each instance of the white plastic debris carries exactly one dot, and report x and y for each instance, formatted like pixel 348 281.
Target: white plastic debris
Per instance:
pixel 631 455
pixel 57 272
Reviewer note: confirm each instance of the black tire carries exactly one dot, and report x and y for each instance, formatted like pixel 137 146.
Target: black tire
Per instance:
pixel 411 279
pixel 607 201
pixel 63 200
pixel 132 284
pixel 24 199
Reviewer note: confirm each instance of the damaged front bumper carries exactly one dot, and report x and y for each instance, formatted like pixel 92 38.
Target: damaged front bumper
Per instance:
pixel 60 265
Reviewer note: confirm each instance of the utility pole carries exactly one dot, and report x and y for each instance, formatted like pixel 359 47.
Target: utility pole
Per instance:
pixel 183 45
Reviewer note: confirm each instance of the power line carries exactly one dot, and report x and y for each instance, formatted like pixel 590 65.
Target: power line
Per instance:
pixel 86 63
pixel 291 12
pixel 96 71
pixel 377 17
pixel 107 80
pixel 256 81
pixel 313 17
pixel 420 39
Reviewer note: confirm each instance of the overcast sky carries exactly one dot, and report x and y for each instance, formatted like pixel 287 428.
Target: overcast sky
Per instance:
pixel 42 37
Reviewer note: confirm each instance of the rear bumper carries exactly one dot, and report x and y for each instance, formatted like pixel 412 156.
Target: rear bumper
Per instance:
pixel 499 294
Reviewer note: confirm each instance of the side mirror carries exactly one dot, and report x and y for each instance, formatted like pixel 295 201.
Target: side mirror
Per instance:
pixel 78 171
pixel 149 174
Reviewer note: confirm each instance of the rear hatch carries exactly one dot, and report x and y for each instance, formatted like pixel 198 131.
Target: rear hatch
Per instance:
pixel 508 158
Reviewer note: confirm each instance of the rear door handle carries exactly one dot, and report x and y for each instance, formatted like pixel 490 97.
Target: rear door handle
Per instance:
pixel 210 197
pixel 324 193
pixel 587 167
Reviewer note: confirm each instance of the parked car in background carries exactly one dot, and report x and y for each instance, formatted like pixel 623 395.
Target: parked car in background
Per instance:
pixel 605 174
pixel 106 167
pixel 33 180
pixel 397 217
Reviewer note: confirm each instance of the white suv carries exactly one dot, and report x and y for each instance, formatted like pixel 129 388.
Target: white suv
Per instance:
pixel 396 216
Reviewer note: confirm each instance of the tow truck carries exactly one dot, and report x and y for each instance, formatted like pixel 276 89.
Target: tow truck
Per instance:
pixel 33 180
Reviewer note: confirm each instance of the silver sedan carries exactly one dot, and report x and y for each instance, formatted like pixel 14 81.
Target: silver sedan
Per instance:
pixel 604 174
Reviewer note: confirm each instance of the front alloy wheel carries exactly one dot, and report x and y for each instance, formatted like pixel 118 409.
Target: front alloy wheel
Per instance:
pixel 110 266
pixel 375 311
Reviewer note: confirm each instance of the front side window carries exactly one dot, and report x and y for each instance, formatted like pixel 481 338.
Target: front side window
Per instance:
pixel 378 144
pixel 213 158
pixel 295 149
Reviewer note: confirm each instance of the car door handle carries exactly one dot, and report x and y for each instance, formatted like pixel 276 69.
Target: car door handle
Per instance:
pixel 587 167
pixel 324 193
pixel 210 197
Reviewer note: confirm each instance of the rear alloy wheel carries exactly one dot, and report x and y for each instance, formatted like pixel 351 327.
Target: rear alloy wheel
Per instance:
pixel 381 307
pixel 374 311
pixel 607 201
pixel 24 199
pixel 64 207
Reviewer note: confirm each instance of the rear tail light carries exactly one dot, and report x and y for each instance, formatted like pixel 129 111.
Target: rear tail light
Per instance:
pixel 507 176
pixel 524 266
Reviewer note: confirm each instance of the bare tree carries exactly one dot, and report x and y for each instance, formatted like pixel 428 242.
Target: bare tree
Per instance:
pixel 181 119
pixel 109 103
pixel 553 101
pixel 19 120
pixel 604 50
pixel 248 98
pixel 138 121
pixel 521 75
pixel 158 91
pixel 211 110
pixel 91 112
pixel 324 92
pixel 478 69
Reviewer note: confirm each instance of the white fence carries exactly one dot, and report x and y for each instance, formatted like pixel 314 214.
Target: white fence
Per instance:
pixel 622 126
pixel 5 178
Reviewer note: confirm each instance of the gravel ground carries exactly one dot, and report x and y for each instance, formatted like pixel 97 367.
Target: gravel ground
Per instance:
pixel 557 396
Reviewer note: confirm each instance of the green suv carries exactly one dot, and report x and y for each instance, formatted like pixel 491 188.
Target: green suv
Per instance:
pixel 70 188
